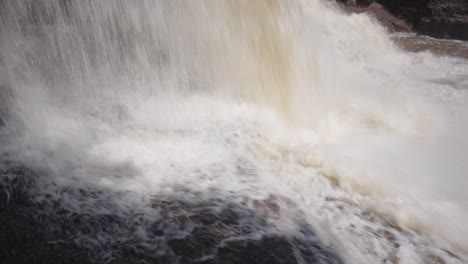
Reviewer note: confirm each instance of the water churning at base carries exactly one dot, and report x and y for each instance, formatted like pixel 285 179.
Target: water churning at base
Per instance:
pixel 115 104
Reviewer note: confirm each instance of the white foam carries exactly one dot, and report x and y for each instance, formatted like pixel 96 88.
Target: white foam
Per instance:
pixel 367 129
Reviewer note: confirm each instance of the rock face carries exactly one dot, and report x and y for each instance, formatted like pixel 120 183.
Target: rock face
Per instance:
pixel 436 18
pixel 383 14
pixel 452 28
pixel 178 227
pixel 389 20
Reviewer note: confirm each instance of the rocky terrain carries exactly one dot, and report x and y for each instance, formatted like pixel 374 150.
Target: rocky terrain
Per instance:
pixel 39 228
pixel 435 18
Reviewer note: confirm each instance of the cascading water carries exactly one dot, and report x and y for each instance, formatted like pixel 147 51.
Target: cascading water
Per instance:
pixel 145 126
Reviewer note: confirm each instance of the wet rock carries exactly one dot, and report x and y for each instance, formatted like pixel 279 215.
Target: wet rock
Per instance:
pixel 451 28
pixel 224 233
pixel 22 240
pixel 435 18
pixel 268 206
pixel 447 19
pixel 440 47
pixel 15 185
pixel 268 250
pixel 387 19
pixel 179 227
pixel 199 243
pixel 448 8
pixel 356 3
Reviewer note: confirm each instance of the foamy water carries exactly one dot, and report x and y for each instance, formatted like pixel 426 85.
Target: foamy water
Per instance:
pixel 243 99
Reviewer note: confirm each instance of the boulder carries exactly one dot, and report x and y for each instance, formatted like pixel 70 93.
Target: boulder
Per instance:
pixel 451 28
pixel 435 18
pixel 387 19
pixel 178 227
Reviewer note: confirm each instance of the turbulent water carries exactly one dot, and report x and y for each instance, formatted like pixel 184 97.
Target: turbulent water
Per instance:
pixel 299 114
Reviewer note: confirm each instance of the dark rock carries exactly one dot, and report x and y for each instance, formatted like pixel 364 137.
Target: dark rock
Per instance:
pixel 199 243
pixel 268 250
pixel 387 19
pixel 448 8
pixel 435 18
pixel 359 3
pixel 180 227
pixel 15 185
pixel 22 240
pixel 452 28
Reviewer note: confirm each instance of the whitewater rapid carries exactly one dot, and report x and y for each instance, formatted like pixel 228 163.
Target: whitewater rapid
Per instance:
pixel 296 100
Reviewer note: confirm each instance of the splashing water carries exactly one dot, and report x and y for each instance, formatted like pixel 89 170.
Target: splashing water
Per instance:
pixel 241 99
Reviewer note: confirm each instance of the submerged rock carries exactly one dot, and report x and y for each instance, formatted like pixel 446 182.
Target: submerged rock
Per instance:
pixel 15 184
pixel 178 227
pixel 266 250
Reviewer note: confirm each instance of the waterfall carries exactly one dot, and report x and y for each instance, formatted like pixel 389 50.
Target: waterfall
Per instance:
pixel 293 106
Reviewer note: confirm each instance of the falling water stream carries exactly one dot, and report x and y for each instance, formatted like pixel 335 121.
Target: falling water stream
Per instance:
pixel 291 109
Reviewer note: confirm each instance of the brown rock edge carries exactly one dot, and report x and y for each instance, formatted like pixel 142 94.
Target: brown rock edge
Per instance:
pixel 436 18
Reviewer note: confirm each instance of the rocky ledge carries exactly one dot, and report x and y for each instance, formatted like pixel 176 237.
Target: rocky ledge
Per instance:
pixel 179 227
pixel 435 18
